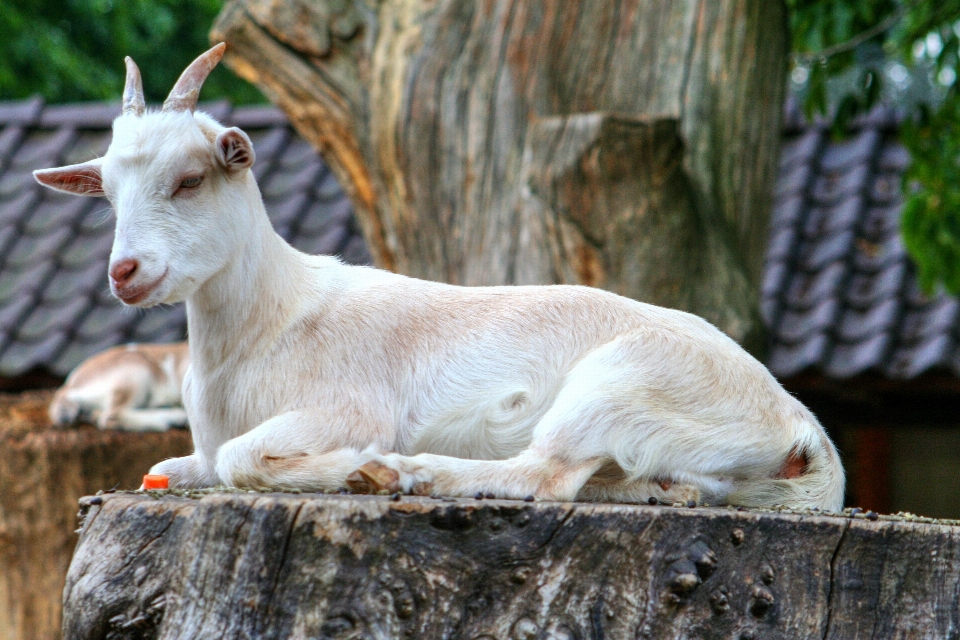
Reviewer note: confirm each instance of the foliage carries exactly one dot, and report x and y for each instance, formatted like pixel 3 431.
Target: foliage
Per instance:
pixel 73 50
pixel 851 53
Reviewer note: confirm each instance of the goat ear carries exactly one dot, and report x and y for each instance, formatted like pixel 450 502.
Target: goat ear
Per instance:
pixel 234 150
pixel 79 179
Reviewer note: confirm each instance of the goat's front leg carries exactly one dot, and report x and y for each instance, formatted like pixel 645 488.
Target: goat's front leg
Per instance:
pixel 527 474
pixel 289 451
pixel 188 472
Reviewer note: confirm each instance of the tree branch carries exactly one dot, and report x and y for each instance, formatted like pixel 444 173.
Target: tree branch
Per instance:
pixel 854 42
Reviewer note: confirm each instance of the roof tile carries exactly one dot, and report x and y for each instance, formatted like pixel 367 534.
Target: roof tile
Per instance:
pixel 16 283
pixel 32 249
pixel 774 275
pixel 934 318
pixel 258 117
pixel 86 248
pixel 10 139
pixel 800 149
pixel 893 158
pixel 832 186
pixel 330 243
pixel 47 215
pixel 355 251
pixel 880 222
pixel 77 351
pixel 44 148
pixel 25 112
pixel 789 360
pixel 788 211
pixel 11 311
pixel 69 284
pixel 159 320
pixel 815 256
pixel 885 189
pixel 805 289
pixel 20 356
pixel 794 180
pixel 868 288
pixel 797 325
pixel 856 324
pixel 106 319
pixel 825 221
pixel 48 317
pixel 94 115
pixel 327 188
pixel 782 243
pixel 15 210
pixel 847 360
pixel 858 150
pixel 910 361
pixel 873 256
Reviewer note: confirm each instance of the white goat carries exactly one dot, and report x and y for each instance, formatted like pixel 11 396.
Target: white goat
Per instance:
pixel 307 373
pixel 136 387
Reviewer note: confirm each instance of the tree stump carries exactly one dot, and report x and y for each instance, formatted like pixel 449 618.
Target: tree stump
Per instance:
pixel 261 565
pixel 43 472
pixel 628 145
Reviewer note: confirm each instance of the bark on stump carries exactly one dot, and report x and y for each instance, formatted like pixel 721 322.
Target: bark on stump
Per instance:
pixel 629 145
pixel 43 472
pixel 248 565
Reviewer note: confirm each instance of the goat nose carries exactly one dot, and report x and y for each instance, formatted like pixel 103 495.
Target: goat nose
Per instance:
pixel 123 271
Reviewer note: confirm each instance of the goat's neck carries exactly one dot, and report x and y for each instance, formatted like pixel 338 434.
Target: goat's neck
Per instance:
pixel 244 307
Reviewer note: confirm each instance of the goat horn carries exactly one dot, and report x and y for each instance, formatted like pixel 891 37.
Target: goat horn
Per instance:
pixel 184 95
pixel 133 101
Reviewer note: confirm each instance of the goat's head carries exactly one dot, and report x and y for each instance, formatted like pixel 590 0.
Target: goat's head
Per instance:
pixel 172 176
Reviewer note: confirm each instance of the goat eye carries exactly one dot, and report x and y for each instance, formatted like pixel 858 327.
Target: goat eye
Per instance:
pixel 191 182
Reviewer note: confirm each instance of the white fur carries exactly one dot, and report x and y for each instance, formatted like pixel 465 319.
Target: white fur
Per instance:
pixel 304 368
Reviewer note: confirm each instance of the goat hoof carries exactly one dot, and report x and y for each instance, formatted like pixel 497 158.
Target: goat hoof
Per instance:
pixel 358 484
pixel 372 477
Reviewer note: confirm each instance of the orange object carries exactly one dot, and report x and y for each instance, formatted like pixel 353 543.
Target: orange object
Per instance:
pixel 156 482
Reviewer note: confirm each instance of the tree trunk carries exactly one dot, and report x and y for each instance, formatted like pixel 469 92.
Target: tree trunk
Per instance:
pixel 246 565
pixel 43 472
pixel 628 144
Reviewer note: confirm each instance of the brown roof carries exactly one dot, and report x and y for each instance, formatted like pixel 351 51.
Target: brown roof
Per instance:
pixel 839 293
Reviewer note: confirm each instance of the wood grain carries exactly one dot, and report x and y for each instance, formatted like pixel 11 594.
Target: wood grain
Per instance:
pixel 245 565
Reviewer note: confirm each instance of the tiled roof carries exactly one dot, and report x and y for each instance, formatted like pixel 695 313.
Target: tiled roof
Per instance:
pixel 839 293
pixel 55 304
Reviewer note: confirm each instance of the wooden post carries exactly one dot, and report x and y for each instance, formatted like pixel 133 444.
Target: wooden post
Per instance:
pixel 43 472
pixel 630 145
pixel 252 565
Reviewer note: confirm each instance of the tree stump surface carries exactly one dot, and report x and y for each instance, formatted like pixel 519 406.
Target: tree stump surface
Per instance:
pixel 43 473
pixel 269 565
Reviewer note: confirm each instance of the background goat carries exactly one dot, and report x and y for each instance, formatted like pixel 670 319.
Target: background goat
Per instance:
pixel 136 387
pixel 308 373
